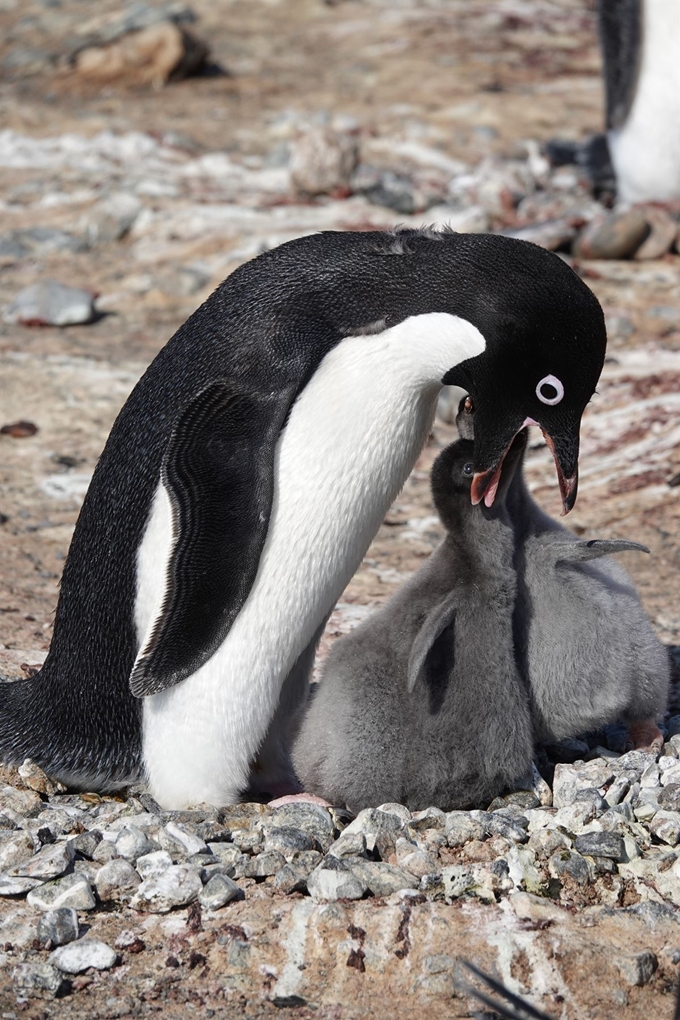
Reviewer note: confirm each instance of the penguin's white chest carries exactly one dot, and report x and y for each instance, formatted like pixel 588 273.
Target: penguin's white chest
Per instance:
pixel 349 444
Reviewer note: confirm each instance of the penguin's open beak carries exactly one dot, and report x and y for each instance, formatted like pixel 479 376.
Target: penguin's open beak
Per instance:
pixel 485 483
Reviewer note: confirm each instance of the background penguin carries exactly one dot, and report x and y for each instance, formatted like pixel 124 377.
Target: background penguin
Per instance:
pixel 247 474
pixel 422 704
pixel 640 41
pixel 583 640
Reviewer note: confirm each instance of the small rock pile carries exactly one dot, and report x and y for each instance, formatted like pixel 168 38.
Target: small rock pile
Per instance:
pixel 605 831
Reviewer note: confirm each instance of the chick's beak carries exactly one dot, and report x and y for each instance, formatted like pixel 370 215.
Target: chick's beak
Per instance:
pixel 485 483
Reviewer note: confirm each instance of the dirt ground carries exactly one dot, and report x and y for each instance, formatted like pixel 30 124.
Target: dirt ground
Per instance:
pixel 467 79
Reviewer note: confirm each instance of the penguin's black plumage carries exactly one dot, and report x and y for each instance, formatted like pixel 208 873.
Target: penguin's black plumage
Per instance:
pixel 247 473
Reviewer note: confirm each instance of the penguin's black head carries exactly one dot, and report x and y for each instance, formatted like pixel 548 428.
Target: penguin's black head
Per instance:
pixel 545 345
pixel 453 474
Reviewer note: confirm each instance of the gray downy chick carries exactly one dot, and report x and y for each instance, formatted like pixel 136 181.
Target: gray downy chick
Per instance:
pixel 422 704
pixel 582 638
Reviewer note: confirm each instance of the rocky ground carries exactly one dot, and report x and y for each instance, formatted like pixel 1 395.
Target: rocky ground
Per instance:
pixel 141 192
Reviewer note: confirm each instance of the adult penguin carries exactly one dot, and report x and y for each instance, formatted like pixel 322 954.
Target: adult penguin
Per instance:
pixel 247 474
pixel 640 41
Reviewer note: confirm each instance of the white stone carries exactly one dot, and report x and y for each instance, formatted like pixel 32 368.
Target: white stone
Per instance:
pixel 51 303
pixel 190 843
pixel 79 956
pixel 131 843
pixel 177 886
pixel 154 863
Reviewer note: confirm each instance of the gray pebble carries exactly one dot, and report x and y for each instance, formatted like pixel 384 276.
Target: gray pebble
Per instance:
pixel 593 797
pixel 430 818
pixel 10 885
pixel 601 844
pixel 380 878
pixel 248 841
pixel 500 824
pixel 638 761
pixel 264 864
pixel 571 779
pixel 104 851
pixel 568 862
pixel 112 218
pixel 546 841
pixel 669 797
pixel 117 880
pixel 225 853
pixel 39 980
pixel 348 844
pixel 52 304
pixel 310 818
pixel 666 826
pixel 50 862
pixel 69 891
pixel 15 848
pixel 522 799
pixel 58 926
pixel 461 828
pixel 637 969
pixel 87 842
pixel 293 876
pixel 26 803
pixel 333 880
pixel 287 840
pixel 79 956
pixel 219 891
pixel 612 236
pixel 46 240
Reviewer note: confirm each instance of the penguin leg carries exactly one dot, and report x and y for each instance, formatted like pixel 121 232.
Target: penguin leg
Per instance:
pixel 644 736
pixel 272 771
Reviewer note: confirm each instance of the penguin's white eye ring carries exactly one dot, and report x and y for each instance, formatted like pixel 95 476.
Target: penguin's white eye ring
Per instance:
pixel 550 390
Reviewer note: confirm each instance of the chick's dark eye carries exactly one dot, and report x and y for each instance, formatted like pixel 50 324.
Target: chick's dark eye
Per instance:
pixel 468 470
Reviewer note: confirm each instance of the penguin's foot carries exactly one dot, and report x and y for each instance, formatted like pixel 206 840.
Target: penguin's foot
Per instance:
pixel 300 798
pixel 644 736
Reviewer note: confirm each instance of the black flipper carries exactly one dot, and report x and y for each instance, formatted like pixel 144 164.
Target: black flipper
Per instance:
pixel 620 24
pixel 436 622
pixel 219 473
pixel 518 1008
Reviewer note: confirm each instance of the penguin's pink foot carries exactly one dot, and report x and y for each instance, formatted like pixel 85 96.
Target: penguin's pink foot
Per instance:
pixel 300 798
pixel 644 736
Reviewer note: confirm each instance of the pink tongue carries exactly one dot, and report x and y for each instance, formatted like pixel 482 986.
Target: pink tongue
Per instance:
pixel 491 493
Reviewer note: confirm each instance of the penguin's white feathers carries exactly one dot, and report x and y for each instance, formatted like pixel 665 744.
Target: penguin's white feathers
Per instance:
pixel 351 439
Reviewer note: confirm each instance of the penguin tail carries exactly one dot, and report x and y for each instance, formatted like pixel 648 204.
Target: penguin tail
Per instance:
pixel 42 723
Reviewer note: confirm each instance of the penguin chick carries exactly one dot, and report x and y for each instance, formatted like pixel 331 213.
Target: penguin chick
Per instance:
pixel 582 637
pixel 422 704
